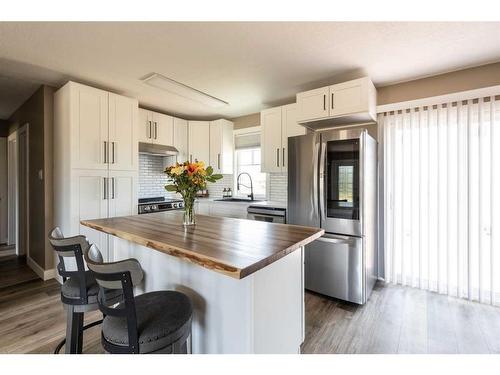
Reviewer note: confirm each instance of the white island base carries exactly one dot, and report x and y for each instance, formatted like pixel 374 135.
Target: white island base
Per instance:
pixel 261 313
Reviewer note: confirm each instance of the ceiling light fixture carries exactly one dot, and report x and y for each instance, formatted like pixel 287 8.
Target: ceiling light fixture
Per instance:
pixel 161 82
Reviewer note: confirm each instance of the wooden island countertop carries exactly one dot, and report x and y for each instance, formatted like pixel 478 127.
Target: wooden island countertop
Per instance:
pixel 234 247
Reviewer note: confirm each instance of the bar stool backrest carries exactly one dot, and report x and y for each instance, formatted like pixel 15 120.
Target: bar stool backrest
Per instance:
pixel 122 276
pixel 70 253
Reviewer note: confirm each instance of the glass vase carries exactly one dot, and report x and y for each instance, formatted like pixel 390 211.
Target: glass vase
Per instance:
pixel 189 215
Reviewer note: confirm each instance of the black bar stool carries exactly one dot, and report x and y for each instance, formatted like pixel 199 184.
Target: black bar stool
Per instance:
pixel 79 289
pixel 155 322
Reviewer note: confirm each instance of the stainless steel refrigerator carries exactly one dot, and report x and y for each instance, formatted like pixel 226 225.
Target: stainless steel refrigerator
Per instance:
pixel 332 184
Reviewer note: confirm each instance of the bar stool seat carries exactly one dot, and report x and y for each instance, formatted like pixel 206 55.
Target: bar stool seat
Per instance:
pixel 163 318
pixel 71 288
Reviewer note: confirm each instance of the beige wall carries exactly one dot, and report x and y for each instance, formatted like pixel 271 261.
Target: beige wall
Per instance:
pixel 246 121
pixel 462 80
pixel 4 128
pixel 37 111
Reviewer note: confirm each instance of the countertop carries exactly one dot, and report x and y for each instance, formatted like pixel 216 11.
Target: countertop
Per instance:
pixel 234 247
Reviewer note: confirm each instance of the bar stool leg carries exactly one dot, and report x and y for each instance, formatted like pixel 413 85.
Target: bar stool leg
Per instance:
pixel 74 331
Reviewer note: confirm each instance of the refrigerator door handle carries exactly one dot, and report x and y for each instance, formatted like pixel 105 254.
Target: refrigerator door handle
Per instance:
pixel 322 209
pixel 337 239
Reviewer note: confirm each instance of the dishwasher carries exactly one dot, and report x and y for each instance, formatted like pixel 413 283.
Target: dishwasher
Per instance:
pixel 267 213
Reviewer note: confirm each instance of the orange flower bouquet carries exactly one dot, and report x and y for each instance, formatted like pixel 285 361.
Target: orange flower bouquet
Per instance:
pixel 187 178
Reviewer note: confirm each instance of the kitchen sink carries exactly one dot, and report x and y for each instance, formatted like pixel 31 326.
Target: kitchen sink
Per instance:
pixel 236 200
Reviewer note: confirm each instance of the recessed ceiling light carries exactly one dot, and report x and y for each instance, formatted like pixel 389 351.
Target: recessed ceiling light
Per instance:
pixel 161 82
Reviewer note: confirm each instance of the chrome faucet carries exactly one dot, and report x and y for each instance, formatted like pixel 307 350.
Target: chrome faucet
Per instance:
pixel 250 187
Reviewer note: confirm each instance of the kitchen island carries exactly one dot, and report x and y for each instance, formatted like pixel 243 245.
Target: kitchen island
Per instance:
pixel 245 278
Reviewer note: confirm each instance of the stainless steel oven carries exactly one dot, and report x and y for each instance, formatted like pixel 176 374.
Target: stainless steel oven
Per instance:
pixel 266 213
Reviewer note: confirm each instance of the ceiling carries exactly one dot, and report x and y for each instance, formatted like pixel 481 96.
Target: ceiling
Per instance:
pixel 250 65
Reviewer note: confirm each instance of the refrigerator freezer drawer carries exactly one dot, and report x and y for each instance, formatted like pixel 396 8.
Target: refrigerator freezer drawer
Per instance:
pixel 334 267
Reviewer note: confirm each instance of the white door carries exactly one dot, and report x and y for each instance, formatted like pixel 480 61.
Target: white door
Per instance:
pixel 90 127
pixel 216 146
pixel 3 191
pixel 270 120
pixel 145 127
pixel 181 139
pixel 163 129
pixel 349 97
pixel 199 141
pixel 314 104
pixel 123 150
pixel 289 128
pixel 91 201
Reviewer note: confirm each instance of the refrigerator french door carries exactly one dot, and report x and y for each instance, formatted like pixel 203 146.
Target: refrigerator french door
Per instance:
pixel 332 183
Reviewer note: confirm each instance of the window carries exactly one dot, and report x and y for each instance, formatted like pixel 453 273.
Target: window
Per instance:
pixel 248 161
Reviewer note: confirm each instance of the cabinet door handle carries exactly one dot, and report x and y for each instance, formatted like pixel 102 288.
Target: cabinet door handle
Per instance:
pixel 156 130
pixel 105 183
pixel 324 102
pixel 332 101
pixel 283 160
pixel 112 152
pixel 218 161
pixel 277 157
pixel 150 130
pixel 113 188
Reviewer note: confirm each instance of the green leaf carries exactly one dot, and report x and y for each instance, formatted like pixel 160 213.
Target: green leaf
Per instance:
pixel 216 176
pixel 171 188
pixel 210 170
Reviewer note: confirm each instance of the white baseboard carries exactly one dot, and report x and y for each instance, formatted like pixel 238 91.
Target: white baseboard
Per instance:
pixel 43 274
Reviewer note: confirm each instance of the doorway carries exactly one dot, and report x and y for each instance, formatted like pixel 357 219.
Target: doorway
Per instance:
pixel 18 190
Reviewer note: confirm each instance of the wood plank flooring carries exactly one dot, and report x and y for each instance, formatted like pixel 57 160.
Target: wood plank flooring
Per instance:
pixel 399 319
pixel 14 270
pixel 395 320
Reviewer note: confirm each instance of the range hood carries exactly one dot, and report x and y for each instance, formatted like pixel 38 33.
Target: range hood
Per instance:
pixel 157 150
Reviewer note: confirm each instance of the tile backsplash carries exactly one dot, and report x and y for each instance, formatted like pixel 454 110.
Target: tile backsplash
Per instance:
pixel 278 183
pixel 152 180
pixel 151 177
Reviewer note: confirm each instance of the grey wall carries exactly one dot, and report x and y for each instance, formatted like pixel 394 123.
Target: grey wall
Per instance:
pixel 37 111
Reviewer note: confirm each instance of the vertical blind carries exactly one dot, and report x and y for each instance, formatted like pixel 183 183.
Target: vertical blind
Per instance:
pixel 441 203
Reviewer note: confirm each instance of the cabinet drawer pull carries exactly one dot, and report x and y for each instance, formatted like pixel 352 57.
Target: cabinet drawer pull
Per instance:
pixel 324 102
pixel 277 157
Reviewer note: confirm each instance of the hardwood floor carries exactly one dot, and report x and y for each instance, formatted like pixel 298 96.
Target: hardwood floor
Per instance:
pixel 400 320
pixel 14 270
pixel 395 320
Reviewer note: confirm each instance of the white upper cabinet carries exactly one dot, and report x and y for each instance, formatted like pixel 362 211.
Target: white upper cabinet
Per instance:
pixel 89 126
pixel 155 127
pixel 270 120
pixel 145 128
pixel 344 103
pixel 181 139
pixel 122 145
pixel 163 129
pixel 289 128
pixel 313 104
pixel 199 141
pixel 221 146
pixel 278 124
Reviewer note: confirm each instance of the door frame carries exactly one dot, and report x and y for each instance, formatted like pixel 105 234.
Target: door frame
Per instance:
pixel 14 188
